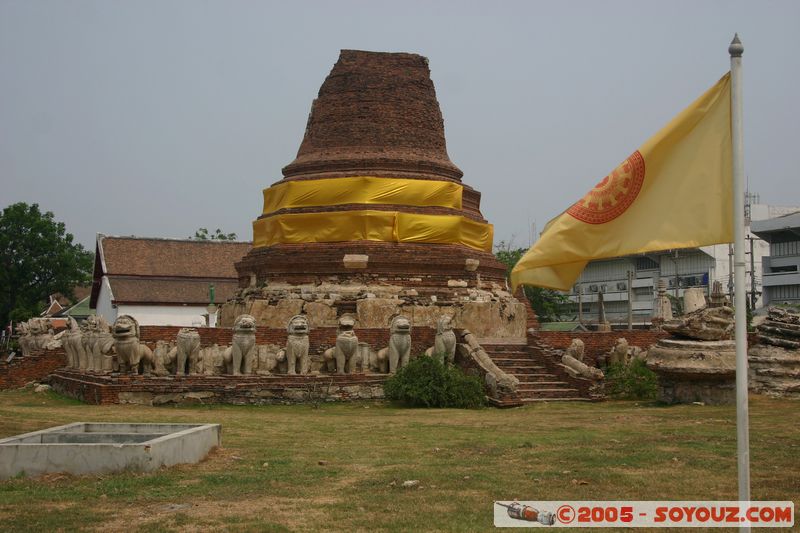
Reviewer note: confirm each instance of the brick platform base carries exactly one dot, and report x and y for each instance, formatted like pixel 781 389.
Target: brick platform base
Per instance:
pixel 241 390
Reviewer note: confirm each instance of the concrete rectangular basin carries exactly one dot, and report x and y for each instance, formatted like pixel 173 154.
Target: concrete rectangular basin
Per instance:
pixel 94 448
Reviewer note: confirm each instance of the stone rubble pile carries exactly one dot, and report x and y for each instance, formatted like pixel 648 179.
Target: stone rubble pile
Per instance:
pixel 774 362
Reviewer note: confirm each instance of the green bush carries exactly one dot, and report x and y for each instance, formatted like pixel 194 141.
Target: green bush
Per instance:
pixel 632 382
pixel 427 382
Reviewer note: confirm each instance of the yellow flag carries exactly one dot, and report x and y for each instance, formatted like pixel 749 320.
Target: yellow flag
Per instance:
pixel 675 191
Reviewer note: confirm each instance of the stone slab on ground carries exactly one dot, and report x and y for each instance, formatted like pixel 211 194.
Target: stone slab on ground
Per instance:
pixel 93 448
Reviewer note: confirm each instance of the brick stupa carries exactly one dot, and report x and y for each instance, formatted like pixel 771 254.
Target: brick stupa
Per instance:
pixel 372 217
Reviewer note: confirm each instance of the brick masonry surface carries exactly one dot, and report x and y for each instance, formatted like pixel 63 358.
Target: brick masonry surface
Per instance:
pixel 34 367
pixel 600 342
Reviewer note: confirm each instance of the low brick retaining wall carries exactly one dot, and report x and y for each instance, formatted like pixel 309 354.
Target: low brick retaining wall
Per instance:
pixel 242 390
pixel 24 369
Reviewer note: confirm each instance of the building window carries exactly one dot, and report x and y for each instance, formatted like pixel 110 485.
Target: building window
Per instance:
pixel 645 263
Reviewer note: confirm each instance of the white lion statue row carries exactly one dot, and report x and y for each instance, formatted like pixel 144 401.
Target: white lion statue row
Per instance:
pixel 96 347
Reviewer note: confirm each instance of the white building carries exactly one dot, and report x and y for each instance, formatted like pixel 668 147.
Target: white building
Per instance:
pixel 162 281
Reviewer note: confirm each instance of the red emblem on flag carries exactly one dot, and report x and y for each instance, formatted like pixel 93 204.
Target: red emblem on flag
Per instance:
pixel 613 195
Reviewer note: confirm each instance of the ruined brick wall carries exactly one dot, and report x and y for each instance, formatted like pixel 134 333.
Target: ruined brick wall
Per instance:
pixel 34 367
pixel 600 342
pixel 375 109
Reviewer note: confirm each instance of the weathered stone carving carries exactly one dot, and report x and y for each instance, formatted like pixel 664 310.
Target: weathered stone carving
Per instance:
pixel 717 298
pixel 496 380
pixel 188 351
pixel 399 343
pixel 244 342
pixel 576 349
pixel 577 368
pixel 369 359
pixel 164 358
pixel 132 356
pixel 211 360
pixel 73 345
pixel 297 358
pixel 708 324
pixel 662 307
pixel 693 299
pixel 345 354
pixel 444 344
pixel 35 335
pixel 619 352
pixel 271 359
pixel 98 344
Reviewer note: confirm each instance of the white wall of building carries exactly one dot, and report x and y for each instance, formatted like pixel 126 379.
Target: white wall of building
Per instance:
pixel 166 315
pixel 149 315
pixel 104 306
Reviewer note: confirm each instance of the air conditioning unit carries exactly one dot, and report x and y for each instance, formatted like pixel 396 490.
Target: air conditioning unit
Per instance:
pixel 622 285
pixel 593 288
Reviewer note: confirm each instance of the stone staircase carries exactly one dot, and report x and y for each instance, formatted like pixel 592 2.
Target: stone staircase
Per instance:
pixel 538 381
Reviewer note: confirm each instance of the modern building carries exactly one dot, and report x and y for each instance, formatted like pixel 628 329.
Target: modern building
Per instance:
pixel 162 281
pixel 781 268
pixel 693 267
pixel 754 212
pixel 635 279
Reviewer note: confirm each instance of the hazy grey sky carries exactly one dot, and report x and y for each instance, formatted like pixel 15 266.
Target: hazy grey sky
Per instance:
pixel 154 118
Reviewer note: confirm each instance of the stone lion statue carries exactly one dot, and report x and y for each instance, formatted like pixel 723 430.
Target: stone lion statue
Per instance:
pixel 345 353
pixel 619 352
pixel 72 340
pixel 579 369
pixel 576 349
pixel 164 358
pixel 211 360
pixel 297 346
pixel 98 344
pixel 271 359
pixel 132 356
pixel 188 351
pixel 35 335
pixel 240 355
pixel 444 344
pixel 399 343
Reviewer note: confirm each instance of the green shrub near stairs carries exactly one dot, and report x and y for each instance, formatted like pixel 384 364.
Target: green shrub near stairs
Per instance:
pixel 632 382
pixel 427 382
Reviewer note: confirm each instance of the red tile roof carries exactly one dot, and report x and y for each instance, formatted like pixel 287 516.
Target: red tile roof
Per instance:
pixel 133 290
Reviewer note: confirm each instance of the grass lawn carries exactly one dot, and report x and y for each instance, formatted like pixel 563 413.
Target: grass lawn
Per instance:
pixel 267 476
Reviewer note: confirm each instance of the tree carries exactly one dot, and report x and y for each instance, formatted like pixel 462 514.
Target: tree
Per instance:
pixel 37 258
pixel 548 304
pixel 202 235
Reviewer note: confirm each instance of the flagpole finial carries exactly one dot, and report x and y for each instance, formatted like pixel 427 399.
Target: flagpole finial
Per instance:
pixel 736 48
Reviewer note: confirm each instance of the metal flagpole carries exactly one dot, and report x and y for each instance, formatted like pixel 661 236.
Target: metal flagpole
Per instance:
pixel 742 420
